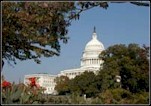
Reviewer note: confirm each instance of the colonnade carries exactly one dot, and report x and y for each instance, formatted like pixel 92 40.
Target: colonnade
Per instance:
pixel 90 61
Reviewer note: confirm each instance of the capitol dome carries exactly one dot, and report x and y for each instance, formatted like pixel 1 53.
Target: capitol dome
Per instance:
pixel 91 53
pixel 94 44
pixel 90 60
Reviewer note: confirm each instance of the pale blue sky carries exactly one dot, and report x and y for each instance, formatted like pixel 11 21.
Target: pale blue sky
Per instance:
pixel 122 23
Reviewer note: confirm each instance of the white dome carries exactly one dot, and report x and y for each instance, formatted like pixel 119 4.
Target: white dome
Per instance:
pixel 93 48
pixel 91 53
pixel 94 44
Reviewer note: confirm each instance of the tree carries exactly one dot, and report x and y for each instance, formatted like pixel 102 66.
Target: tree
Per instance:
pixel 34 29
pixel 62 86
pixel 29 27
pixel 84 84
pixel 130 62
pixel 80 85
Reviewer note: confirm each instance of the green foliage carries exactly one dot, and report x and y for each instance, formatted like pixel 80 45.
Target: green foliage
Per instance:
pixel 130 62
pixel 56 99
pixel 122 96
pixel 96 100
pixel 21 94
pixel 75 98
pixel 84 84
pixel 141 98
pixel 62 85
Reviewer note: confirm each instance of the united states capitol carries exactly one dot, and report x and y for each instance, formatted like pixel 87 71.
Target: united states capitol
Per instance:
pixel 90 61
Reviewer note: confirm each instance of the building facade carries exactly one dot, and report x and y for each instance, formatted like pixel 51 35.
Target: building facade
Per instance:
pixel 44 80
pixel 90 61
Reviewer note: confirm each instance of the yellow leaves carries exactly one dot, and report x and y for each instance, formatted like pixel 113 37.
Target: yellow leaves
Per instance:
pixel 45 5
pixel 25 34
pixel 22 15
pixel 38 23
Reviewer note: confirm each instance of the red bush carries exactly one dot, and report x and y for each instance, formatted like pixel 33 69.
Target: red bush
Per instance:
pixel 32 81
pixel 6 84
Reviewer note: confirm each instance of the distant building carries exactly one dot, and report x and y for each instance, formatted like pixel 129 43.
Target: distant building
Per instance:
pixel 44 80
pixel 90 61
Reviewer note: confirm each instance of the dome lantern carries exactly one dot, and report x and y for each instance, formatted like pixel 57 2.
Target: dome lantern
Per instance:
pixel 94 30
pixel 94 36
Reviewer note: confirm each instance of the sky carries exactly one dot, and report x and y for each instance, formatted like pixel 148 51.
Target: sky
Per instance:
pixel 121 23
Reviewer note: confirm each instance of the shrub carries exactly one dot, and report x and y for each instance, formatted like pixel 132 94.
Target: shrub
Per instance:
pixel 96 100
pixel 21 94
pixel 140 98
pixel 114 96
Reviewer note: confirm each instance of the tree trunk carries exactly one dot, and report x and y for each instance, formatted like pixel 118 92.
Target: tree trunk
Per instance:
pixel 2 65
